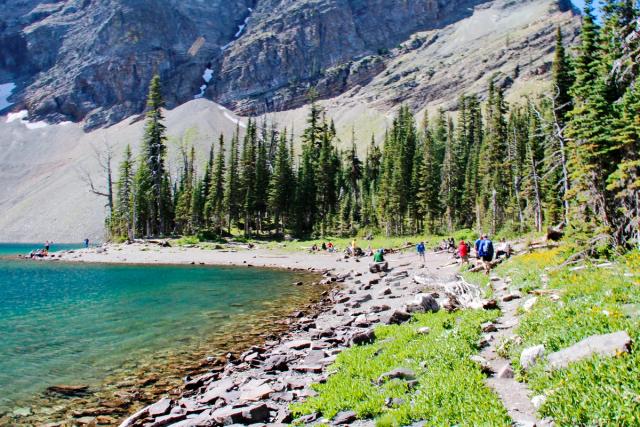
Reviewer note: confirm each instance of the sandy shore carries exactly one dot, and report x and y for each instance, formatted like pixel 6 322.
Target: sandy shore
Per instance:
pixel 153 253
pixel 258 385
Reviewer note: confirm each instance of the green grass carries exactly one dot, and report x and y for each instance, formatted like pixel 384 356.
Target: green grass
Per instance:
pixel 598 391
pixel 450 388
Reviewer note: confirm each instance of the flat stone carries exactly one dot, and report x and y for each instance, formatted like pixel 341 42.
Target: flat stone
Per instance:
pixel 161 407
pixel 276 363
pixel 380 308
pixel 298 344
pixel 530 356
pixel 363 298
pixel 600 345
pixel 167 420
pixel 490 304
pixel 252 393
pixel 22 412
pixel 69 390
pixel 506 372
pixel 242 415
pixel 216 390
pixel 344 417
pixel 398 373
pixel 511 297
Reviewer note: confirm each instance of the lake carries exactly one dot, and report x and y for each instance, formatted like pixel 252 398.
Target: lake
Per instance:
pixel 94 324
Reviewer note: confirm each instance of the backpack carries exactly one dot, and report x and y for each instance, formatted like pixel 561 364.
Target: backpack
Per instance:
pixel 487 248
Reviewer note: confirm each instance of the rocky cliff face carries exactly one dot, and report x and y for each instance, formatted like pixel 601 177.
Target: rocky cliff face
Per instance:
pixel 92 60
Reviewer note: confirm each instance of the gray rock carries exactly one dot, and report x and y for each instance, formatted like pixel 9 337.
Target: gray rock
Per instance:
pixel 424 330
pixel 244 415
pixel 398 373
pixel 485 367
pixel 600 345
pixel 365 337
pixel 161 407
pixel 538 401
pixel 423 303
pixel 506 372
pixel 298 344
pixel 511 297
pixel 253 393
pixel 397 317
pixel 344 417
pixel 489 327
pixel 529 303
pixel 530 356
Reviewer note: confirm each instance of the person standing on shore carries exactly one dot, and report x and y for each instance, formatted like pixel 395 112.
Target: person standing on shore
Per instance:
pixel 421 250
pixel 86 243
pixel 463 253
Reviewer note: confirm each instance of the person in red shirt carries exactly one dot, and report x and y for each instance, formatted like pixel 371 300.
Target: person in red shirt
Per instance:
pixel 463 253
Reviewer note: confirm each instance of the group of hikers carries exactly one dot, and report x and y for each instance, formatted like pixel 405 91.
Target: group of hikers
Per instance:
pixel 483 247
pixel 42 252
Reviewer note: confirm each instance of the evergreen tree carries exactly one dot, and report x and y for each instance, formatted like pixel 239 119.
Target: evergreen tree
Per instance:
pixel 158 197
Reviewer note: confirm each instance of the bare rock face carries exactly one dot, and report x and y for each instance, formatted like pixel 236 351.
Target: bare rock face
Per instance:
pixel 81 60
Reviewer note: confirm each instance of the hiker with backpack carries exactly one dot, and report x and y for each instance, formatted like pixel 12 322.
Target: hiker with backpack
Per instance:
pixel 485 252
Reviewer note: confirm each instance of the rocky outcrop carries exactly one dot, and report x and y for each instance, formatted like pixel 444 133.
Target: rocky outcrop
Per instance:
pixel 92 61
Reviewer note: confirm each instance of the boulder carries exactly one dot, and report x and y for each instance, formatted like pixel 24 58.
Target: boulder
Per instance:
pixel 398 373
pixel 344 417
pixel 161 407
pixel 398 317
pixel 243 415
pixel 423 303
pixel 276 363
pixel 530 356
pixel 365 337
pixel 600 345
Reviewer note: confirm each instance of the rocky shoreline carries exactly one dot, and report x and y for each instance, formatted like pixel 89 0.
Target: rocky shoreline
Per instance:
pixel 257 386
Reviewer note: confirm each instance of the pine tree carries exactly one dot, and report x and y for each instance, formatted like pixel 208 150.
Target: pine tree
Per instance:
pixel 153 155
pixel 282 185
pixel 216 193
pixel 124 198
pixel 562 79
pixel 232 201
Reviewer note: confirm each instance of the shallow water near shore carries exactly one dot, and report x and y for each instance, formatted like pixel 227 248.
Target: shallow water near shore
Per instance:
pixel 116 326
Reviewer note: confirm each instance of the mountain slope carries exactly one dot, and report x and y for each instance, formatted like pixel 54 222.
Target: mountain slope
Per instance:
pixel 41 166
pixel 92 61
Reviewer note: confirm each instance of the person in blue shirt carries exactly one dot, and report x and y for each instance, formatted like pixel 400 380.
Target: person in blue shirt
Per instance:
pixel 486 253
pixel 477 246
pixel 421 250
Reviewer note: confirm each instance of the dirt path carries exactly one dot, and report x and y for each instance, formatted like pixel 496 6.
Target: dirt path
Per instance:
pixel 514 395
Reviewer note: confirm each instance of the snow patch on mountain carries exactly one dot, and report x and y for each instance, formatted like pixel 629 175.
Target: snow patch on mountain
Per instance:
pixel 238 33
pixel 22 116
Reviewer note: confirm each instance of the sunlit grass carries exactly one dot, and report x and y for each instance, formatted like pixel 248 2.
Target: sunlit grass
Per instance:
pixel 450 388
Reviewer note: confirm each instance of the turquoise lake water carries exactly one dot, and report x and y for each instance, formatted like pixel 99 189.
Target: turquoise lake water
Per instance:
pixel 77 323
